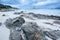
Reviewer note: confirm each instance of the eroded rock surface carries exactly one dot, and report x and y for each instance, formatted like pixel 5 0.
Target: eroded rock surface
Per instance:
pixel 14 26
pixel 54 35
pixel 21 30
pixel 33 31
pixel 13 23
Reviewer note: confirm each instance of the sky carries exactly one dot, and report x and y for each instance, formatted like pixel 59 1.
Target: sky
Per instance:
pixel 28 4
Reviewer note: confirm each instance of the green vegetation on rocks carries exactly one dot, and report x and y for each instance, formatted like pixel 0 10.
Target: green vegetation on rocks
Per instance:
pixel 2 6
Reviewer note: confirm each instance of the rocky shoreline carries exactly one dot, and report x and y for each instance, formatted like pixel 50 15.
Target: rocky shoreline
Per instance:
pixel 39 16
pixel 31 26
pixel 22 30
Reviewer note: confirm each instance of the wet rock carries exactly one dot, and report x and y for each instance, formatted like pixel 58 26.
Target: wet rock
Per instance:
pixel 3 15
pixel 0 23
pixel 17 13
pixel 48 23
pixel 33 31
pixel 17 35
pixel 21 30
pixel 28 31
pixel 22 12
pixel 13 23
pixel 31 13
pixel 14 26
pixel 57 22
pixel 54 35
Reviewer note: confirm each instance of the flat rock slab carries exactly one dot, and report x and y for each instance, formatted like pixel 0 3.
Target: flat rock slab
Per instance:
pixel 53 34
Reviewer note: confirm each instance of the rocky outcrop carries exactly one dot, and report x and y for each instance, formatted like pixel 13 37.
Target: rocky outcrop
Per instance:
pixel 21 30
pixel 32 15
pixel 54 35
pixel 33 31
pixel 57 22
pixel 13 23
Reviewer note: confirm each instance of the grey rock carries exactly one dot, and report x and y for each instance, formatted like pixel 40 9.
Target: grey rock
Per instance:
pixel 17 35
pixel 57 22
pixel 22 12
pixel 28 31
pixel 33 31
pixel 17 13
pixel 14 26
pixel 13 23
pixel 21 30
pixel 54 35
pixel 0 23
pixel 3 15
pixel 48 23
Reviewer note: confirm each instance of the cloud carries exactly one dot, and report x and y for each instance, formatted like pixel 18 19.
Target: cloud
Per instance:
pixel 31 3
pixel 9 1
pixel 16 5
pixel 24 2
pixel 45 2
pixel 5 0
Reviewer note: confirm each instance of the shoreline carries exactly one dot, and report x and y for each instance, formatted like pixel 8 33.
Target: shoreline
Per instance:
pixel 47 23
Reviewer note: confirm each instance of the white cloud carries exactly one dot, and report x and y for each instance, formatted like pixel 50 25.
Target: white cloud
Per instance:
pixel 5 0
pixel 14 5
pixel 45 2
pixel 24 2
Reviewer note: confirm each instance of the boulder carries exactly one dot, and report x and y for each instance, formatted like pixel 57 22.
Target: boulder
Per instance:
pixel 33 31
pixel 22 12
pixel 17 35
pixel 3 15
pixel 14 26
pixel 27 31
pixel 13 23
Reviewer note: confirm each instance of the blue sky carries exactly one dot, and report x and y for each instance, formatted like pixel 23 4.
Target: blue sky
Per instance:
pixel 28 4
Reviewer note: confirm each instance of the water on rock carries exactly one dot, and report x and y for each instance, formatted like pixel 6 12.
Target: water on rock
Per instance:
pixel 21 30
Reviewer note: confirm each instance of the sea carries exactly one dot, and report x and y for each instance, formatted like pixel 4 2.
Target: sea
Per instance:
pixel 55 12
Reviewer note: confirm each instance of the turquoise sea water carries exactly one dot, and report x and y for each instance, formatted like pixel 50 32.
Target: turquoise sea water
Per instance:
pixel 55 12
